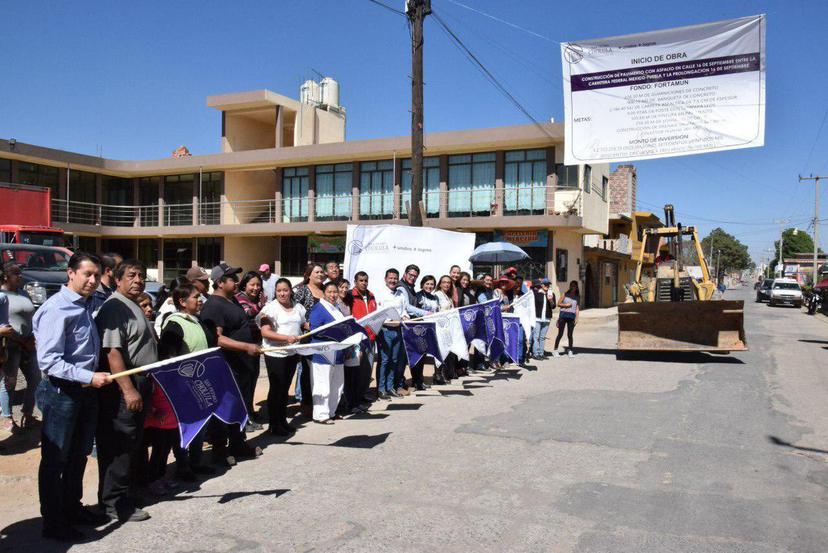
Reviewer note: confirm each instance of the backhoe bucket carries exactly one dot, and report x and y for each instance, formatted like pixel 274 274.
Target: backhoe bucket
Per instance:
pixel 712 326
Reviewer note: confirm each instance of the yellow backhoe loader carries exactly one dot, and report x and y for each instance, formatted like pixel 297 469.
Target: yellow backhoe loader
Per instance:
pixel 669 310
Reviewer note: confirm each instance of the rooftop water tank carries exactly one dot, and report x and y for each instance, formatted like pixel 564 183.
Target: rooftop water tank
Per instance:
pixel 310 92
pixel 330 92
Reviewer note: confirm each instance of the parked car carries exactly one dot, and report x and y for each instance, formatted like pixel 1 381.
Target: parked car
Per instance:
pixel 785 291
pixel 44 268
pixel 763 291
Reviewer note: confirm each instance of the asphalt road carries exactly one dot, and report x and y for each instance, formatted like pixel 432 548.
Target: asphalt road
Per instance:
pixel 591 454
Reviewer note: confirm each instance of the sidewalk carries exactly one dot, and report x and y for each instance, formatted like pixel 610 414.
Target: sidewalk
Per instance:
pixel 597 315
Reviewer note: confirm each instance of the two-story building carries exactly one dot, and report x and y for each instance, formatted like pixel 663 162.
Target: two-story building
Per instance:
pixel 286 183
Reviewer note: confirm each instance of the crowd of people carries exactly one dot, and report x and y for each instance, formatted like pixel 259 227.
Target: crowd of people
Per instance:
pixel 102 322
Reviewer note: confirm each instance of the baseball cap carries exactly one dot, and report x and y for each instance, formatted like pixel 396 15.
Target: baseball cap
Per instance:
pixel 264 267
pixel 510 270
pixel 196 273
pixel 546 281
pixel 223 269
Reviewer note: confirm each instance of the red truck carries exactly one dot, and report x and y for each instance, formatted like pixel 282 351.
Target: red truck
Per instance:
pixel 26 216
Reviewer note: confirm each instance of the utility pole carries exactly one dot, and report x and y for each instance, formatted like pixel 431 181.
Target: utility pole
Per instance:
pixel 416 10
pixel 718 259
pixel 781 243
pixel 816 222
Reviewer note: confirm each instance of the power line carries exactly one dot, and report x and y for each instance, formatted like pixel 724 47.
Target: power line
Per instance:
pixel 719 221
pixel 499 20
pixel 387 7
pixel 816 141
pixel 486 73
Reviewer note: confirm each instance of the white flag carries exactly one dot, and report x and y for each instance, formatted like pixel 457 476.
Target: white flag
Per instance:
pixel 524 308
pixel 327 349
pixel 375 320
pixel 450 335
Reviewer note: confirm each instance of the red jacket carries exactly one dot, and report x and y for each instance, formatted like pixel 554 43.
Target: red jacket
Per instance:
pixel 360 308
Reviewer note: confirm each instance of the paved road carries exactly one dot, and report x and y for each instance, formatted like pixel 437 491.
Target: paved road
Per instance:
pixel 590 454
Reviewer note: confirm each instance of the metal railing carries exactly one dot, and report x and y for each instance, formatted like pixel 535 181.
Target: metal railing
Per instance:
pixel 480 202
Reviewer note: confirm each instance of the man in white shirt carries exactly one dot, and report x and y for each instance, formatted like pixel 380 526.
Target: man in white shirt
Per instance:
pixel 268 282
pixel 391 369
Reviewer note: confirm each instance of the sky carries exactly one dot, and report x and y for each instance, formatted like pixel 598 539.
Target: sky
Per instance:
pixel 130 81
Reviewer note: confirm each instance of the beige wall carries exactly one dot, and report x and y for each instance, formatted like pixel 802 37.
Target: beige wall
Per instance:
pixel 571 241
pixel 248 252
pixel 246 185
pixel 244 132
pixel 330 127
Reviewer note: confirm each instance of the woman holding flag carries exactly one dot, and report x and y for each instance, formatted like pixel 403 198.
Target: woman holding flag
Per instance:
pixel 281 322
pixel 445 292
pixel 327 373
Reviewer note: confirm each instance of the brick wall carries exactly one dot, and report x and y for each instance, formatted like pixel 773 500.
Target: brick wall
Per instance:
pixel 622 189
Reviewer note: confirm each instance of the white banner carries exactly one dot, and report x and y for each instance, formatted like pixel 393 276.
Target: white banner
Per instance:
pixel 376 248
pixel 375 320
pixel 450 335
pixel 665 93
pixel 524 308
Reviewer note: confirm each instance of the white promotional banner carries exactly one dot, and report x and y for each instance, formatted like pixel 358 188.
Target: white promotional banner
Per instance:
pixel 376 248
pixel 665 93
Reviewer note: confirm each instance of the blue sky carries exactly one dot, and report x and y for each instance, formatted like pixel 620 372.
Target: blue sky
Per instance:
pixel 132 79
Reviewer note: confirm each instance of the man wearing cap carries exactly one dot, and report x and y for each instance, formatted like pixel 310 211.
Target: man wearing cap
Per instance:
pixel 268 282
pixel 223 313
pixel 196 276
pixel 543 315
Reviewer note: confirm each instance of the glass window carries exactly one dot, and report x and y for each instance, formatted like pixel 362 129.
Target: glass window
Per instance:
pixel 294 255
pixel 295 181
pixel 178 199
pixel 525 183
pixel 38 175
pixel 81 187
pixel 85 243
pixel 117 199
pixel 148 190
pixel 5 170
pixel 333 192
pixel 604 182
pixel 471 184
pixel 209 251
pixel 178 258
pixel 587 178
pixel 561 265
pixel 148 252
pixel 431 186
pixel 567 176
pixel 212 187
pixel 123 246
pixel 376 190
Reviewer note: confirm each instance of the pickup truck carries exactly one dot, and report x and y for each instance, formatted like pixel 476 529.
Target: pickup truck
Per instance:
pixel 44 268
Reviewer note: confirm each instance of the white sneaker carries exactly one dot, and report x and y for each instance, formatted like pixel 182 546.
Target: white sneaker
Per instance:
pixel 570 353
pixel 556 354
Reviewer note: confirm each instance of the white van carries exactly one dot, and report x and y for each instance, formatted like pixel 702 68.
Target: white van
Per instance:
pixel 785 291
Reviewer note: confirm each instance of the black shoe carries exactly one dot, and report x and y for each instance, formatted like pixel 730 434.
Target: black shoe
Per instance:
pixel 223 460
pixel 393 394
pixel 89 517
pixel 420 387
pixel 67 534
pixel 364 405
pixel 245 451
pixel 438 381
pixel 384 396
pixel 137 515
pixel 252 426
pixel 278 431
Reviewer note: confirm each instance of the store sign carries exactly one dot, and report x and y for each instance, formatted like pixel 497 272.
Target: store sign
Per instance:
pixel 326 244
pixel 523 238
pixel 666 93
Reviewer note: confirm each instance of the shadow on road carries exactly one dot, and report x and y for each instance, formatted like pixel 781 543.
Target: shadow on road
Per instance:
pixel 403 406
pixel 696 357
pixel 780 442
pixel 24 535
pixel 825 342
pixel 358 441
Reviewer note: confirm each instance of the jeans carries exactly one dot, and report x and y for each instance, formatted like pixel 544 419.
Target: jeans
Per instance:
pixel 27 363
pixel 390 349
pixel 539 337
pixel 70 414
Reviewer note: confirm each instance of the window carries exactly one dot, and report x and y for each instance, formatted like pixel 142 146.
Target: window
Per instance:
pixel 123 246
pixel 148 189
pixel 38 175
pixel 85 244
pixel 561 265
pixel 431 186
pixel 567 176
pixel 295 182
pixel 471 184
pixel 334 185
pixel 5 170
pixel 376 189
pixel 209 251
pixel 212 187
pixel 587 178
pixel 294 255
pixel 525 183
pixel 117 199
pixel 148 252
pixel 603 190
pixel 178 199
pixel 81 188
pixel 178 258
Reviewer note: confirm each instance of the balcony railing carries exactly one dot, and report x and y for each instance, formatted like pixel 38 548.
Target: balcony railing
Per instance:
pixel 481 202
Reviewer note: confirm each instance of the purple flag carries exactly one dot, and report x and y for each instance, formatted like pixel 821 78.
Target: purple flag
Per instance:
pixel 495 341
pixel 420 338
pixel 338 331
pixel 511 335
pixel 471 320
pixel 199 386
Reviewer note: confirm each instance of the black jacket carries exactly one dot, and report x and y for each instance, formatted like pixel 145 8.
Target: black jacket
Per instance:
pixel 540 297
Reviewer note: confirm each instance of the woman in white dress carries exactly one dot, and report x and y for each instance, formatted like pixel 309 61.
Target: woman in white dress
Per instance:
pixel 327 379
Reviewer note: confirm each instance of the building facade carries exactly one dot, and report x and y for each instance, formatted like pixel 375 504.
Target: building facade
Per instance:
pixel 286 184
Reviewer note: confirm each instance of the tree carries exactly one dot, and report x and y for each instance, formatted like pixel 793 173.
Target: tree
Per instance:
pixel 795 241
pixel 734 255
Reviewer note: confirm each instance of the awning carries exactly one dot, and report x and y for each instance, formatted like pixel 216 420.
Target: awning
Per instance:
pixel 822 283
